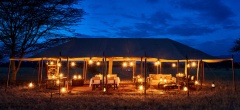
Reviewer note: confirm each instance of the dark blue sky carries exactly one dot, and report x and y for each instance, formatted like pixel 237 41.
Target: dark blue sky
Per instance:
pixel 208 25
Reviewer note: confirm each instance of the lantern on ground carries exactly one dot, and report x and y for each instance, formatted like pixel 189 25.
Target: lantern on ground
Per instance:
pixel 30 85
pixel 63 90
pixel 213 85
pixel 185 88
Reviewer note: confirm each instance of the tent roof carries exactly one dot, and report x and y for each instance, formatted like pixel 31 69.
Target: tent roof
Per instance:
pixel 161 48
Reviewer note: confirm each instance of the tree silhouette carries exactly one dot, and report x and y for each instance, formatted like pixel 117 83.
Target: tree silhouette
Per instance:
pixel 236 47
pixel 27 26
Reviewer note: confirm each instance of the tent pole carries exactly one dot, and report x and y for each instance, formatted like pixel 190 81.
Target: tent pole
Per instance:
pixel 203 72
pixel 83 69
pixel 103 86
pixel 39 72
pixel 67 71
pixel 110 66
pixel 233 75
pixel 141 66
pixel 145 74
pixel 178 76
pixel 9 67
pixel 187 75
pixel 160 67
pixel 86 70
pixel 134 69
pixel 198 66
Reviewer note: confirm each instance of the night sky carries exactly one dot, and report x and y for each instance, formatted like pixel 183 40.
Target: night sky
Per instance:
pixel 208 25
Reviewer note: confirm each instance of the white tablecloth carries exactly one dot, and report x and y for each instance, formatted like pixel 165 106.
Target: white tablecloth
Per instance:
pixel 117 81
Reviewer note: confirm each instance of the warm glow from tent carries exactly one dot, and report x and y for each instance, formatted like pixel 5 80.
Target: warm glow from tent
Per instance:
pixel 157 63
pixel 98 63
pixel 60 75
pixel 188 65
pixel 63 90
pixel 90 62
pixel 51 63
pixel 174 65
pixel 57 82
pixel 185 89
pixel 124 64
pixel 141 87
pixel 196 83
pixel 73 64
pixel 193 64
pixel 79 77
pixel 74 76
pixel 59 64
pixel 131 63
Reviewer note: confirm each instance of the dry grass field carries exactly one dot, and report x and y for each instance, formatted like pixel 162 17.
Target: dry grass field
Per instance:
pixel 222 97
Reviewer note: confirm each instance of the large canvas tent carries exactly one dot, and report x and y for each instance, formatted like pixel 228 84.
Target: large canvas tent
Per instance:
pixel 122 49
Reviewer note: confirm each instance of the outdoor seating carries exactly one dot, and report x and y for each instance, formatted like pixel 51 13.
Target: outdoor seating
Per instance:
pixel 95 82
pixel 155 79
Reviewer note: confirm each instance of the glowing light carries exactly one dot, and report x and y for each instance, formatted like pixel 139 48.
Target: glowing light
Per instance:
pixel 98 63
pixel 188 65
pixel 213 85
pixel 124 64
pixel 141 87
pixel 196 83
pixel 131 63
pixel 160 79
pixel 165 80
pixel 140 80
pixel 57 82
pixel 157 63
pixel 73 64
pixel 51 63
pixel 104 89
pixel 53 77
pixel 90 62
pixel 79 77
pixel 174 65
pixel 30 85
pixel 47 63
pixel 60 75
pixel 185 89
pixel 59 64
pixel 74 76
pixel 193 64
pixel 63 90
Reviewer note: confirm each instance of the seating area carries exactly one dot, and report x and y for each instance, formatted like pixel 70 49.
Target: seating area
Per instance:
pixel 111 82
pixel 155 79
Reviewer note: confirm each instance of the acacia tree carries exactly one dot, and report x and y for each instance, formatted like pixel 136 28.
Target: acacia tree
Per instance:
pixel 236 47
pixel 27 26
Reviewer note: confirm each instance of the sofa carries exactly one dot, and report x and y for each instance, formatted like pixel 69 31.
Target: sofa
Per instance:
pixel 155 79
